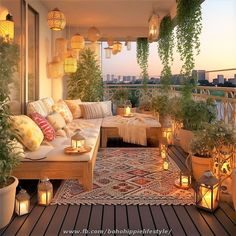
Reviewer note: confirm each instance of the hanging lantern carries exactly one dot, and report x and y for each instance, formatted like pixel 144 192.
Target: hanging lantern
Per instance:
pixel 167 135
pixel 61 47
pixel 56 20
pixel 77 42
pixel 70 64
pixel 22 204
pixel 7 28
pixel 128 43
pixel 127 108
pixel 45 192
pixel 184 180
pixel 154 23
pixel 207 192
pixel 77 141
pixel 55 68
pixel 3 13
pixel 108 51
pixel 117 47
pixel 165 165
pixel 163 151
pixel 110 42
pixel 114 51
pixel 93 34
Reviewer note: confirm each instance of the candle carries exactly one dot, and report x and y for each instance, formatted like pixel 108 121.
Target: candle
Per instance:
pixel 207 197
pixel 165 165
pixel 184 181
pixel 127 111
pixel 163 154
pixel 22 208
pixel 44 198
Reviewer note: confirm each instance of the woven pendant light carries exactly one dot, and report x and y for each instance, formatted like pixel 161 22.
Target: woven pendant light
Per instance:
pixel 56 20
pixel 108 51
pixel 154 24
pixel 77 42
pixel 61 47
pixel 55 68
pixel 70 64
pixel 110 41
pixel 117 47
pixel 7 28
pixel 93 34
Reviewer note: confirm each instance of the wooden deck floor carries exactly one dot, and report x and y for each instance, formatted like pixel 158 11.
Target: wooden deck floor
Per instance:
pixel 140 220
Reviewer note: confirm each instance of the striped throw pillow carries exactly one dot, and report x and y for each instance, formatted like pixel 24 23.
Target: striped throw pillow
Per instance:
pixel 37 106
pixel 91 110
pixel 43 124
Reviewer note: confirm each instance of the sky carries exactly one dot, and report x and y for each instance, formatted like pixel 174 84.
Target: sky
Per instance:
pixel 218 45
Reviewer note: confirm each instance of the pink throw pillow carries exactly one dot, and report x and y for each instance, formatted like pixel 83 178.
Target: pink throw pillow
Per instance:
pixel 43 124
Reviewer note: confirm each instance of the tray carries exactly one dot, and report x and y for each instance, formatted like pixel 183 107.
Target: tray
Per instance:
pixel 128 116
pixel 73 151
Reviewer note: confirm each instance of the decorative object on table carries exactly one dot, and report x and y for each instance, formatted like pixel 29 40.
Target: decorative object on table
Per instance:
pixel 7 28
pixel 184 180
pixel 77 151
pixel 93 34
pixel 56 20
pixel 127 109
pixel 45 192
pixel 207 192
pixel 22 205
pixel 77 141
pixel 127 176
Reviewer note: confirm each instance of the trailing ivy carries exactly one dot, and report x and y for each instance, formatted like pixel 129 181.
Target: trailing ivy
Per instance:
pixel 142 57
pixel 165 50
pixel 189 27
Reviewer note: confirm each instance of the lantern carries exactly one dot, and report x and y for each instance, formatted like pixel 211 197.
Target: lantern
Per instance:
pixel 207 192
pixel 77 42
pixel 167 135
pixel 45 192
pixel 56 20
pixel 110 42
pixel 3 12
pixel 108 51
pixel 163 151
pixel 7 28
pixel 117 47
pixel 127 108
pixel 184 180
pixel 61 47
pixel 93 34
pixel 153 28
pixel 22 203
pixel 77 141
pixel 165 165
pixel 70 64
pixel 128 43
pixel 55 68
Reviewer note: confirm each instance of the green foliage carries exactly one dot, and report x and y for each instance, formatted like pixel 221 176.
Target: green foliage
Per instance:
pixel 162 105
pixel 142 57
pixel 86 82
pixel 189 28
pixel 120 96
pixel 165 50
pixel 133 98
pixel 9 56
pixel 145 103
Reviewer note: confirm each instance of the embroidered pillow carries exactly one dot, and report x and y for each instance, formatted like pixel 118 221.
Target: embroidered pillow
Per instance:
pixel 62 108
pixel 30 135
pixel 74 108
pixel 91 110
pixel 106 107
pixel 56 121
pixel 44 125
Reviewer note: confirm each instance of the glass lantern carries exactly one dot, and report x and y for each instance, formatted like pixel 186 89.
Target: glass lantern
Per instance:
pixel 165 165
pixel 45 192
pixel 163 151
pixel 108 51
pixel 207 192
pixel 22 203
pixel 77 141
pixel 167 135
pixel 184 180
pixel 127 108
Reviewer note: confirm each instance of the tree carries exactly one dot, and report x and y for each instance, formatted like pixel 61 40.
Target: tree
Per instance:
pixel 86 82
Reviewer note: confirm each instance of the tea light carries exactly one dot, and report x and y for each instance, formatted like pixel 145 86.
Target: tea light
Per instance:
pixel 184 180
pixel 22 203
pixel 165 165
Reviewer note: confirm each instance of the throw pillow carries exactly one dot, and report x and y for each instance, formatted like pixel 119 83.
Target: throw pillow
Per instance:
pixel 30 135
pixel 62 108
pixel 106 107
pixel 37 106
pixel 74 108
pixel 48 103
pixel 56 120
pixel 44 125
pixel 91 110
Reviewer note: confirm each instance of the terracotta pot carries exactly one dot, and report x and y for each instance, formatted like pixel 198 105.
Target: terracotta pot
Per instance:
pixel 120 110
pixel 200 165
pixel 7 202
pixel 185 137
pixel 234 188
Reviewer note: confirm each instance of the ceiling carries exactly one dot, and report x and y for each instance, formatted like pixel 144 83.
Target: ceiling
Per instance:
pixel 117 18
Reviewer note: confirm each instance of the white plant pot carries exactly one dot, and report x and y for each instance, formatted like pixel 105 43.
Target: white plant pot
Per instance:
pixel 234 188
pixel 7 202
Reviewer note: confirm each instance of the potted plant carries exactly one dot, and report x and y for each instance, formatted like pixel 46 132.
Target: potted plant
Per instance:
pixel 145 105
pixel 9 157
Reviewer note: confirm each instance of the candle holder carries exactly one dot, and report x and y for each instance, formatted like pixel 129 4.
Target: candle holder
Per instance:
pixel 77 141
pixel 45 192
pixel 22 203
pixel 163 151
pixel 165 165
pixel 184 181
pixel 127 109
pixel 167 135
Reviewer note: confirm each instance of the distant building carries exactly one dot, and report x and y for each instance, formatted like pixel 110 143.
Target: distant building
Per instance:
pixel 199 74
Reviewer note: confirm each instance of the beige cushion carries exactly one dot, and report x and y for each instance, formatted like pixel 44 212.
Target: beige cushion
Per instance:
pixel 106 107
pixel 62 108
pixel 74 108
pixel 57 121
pixel 48 103
pixel 37 106
pixel 91 110
pixel 30 135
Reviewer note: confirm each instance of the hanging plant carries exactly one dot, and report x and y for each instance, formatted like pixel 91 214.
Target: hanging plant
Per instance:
pixel 189 27
pixel 165 50
pixel 142 57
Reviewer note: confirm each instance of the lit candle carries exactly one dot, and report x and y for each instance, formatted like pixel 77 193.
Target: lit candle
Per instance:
pixel 22 203
pixel 163 154
pixel 185 181
pixel 207 197
pixel 127 111
pixel 165 165
pixel 45 198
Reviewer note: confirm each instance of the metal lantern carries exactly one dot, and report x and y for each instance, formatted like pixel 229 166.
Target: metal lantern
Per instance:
pixel 55 68
pixel 61 47
pixel 184 180
pixel 70 64
pixel 128 43
pixel 94 34
pixel 45 192
pixel 154 23
pixel 165 165
pixel 56 20
pixel 207 192
pixel 77 141
pixel 3 12
pixel 77 42
pixel 163 151
pixel 108 51
pixel 167 135
pixel 117 47
pixel 7 28
pixel 127 108
pixel 22 203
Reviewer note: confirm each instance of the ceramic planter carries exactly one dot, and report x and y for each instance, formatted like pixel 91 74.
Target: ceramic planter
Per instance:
pixel 185 137
pixel 200 165
pixel 7 202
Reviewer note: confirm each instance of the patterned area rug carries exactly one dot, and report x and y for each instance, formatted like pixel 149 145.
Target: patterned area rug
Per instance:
pixel 128 176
